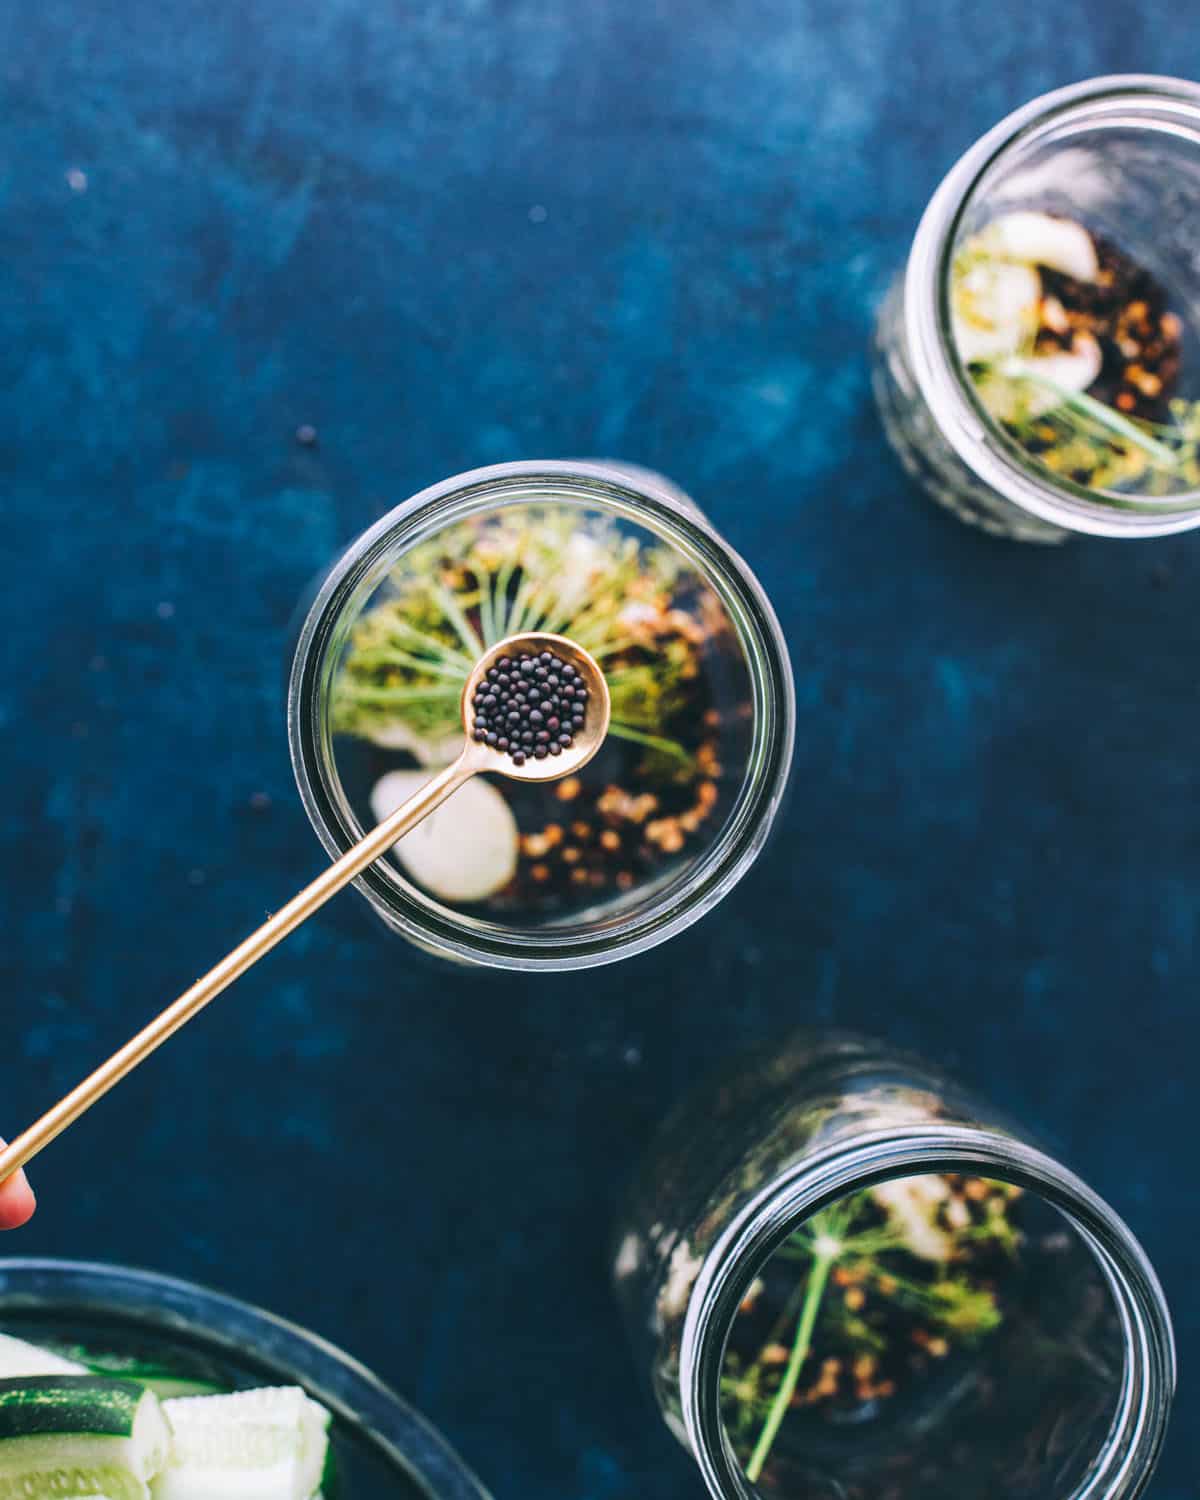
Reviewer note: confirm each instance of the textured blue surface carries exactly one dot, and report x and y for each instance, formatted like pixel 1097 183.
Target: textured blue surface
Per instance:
pixel 460 231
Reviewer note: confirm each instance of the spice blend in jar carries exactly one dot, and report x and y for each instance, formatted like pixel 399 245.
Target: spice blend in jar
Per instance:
pixel 656 792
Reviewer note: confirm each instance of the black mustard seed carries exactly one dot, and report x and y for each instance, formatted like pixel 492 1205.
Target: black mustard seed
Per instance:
pixel 529 705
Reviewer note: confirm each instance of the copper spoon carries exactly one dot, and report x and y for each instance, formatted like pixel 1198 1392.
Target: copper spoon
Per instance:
pixel 475 757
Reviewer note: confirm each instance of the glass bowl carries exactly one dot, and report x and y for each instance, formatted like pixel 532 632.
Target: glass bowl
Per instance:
pixel 678 803
pixel 384 1449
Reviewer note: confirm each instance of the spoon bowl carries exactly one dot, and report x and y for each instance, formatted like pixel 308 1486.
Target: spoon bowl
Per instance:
pixel 587 741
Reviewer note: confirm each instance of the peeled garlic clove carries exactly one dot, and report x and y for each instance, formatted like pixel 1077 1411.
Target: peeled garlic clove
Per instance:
pixel 1018 389
pixel 466 849
pixel 1074 369
pixel 1036 239
pixel 995 309
pixel 911 1205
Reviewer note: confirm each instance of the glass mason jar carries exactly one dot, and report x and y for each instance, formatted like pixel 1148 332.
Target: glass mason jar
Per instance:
pixel 679 801
pixel 848 1280
pixel 382 1447
pixel 1068 230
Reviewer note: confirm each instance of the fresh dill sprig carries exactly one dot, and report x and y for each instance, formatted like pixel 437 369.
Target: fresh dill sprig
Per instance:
pixel 864 1244
pixel 533 568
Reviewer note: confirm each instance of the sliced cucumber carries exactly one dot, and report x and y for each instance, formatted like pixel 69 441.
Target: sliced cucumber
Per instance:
pixel 331 1488
pixel 167 1386
pixel 19 1358
pixel 65 1437
pixel 165 1381
pixel 187 1376
pixel 268 1444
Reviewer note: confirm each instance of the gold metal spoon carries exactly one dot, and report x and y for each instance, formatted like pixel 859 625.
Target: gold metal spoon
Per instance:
pixel 475 757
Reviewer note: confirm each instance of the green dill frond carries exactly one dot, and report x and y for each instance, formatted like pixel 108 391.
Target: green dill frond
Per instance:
pixel 528 568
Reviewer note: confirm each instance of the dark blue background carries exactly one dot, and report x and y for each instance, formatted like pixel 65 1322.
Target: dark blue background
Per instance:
pixel 462 231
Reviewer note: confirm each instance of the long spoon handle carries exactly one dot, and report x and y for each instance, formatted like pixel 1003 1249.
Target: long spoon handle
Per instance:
pixel 244 956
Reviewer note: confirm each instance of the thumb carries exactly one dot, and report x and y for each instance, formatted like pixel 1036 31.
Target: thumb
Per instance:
pixel 17 1202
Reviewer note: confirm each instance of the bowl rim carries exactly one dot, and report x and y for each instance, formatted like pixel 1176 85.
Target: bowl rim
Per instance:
pixel 356 1395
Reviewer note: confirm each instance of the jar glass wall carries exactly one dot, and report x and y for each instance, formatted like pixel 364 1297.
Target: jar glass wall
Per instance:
pixel 682 795
pixel 1037 366
pixel 846 1278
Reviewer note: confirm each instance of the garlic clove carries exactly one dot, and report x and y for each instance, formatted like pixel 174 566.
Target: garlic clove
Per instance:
pixel 1074 369
pixel 1037 239
pixel 466 849
pixel 995 309
pixel 1019 389
pixel 912 1205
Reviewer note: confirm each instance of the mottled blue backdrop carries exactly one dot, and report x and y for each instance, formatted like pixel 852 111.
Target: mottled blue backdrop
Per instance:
pixel 450 232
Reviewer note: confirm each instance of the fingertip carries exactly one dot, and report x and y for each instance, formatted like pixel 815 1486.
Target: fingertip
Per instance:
pixel 17 1202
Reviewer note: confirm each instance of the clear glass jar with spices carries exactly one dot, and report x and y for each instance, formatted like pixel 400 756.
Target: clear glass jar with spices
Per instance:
pixel 1036 365
pixel 680 800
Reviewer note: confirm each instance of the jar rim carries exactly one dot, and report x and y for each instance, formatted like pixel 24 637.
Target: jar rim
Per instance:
pixel 714 872
pixel 1125 1464
pixel 946 388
